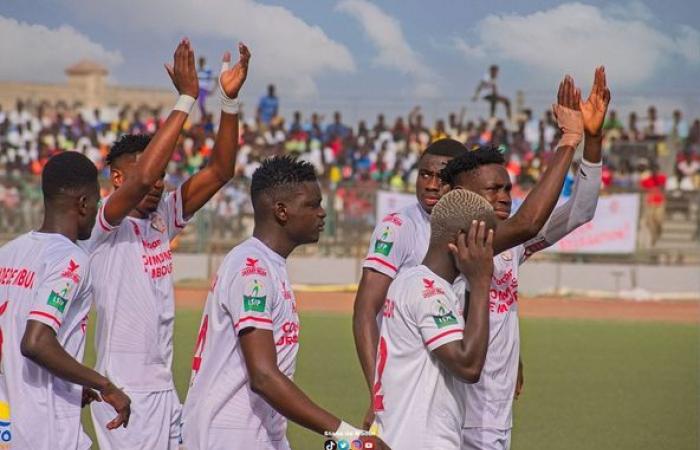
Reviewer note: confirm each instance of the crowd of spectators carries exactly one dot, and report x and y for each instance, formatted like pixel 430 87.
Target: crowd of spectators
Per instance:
pixel 378 154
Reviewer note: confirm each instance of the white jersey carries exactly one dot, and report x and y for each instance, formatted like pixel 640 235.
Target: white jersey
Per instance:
pixel 43 277
pixel 131 266
pixel 418 403
pixel 251 290
pixel 489 403
pixel 400 240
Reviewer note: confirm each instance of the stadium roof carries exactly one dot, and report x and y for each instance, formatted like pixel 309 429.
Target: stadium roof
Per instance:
pixel 86 67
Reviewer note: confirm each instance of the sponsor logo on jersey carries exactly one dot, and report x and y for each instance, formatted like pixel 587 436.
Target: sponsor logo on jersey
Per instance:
pixel 444 317
pixel 384 242
pixel 5 425
pixel 393 218
pixel 254 301
pixel 22 278
pixel 251 268
pixel 55 300
pixel 71 272
pixel 430 290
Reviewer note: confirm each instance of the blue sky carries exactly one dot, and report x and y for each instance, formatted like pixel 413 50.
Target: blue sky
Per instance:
pixel 367 56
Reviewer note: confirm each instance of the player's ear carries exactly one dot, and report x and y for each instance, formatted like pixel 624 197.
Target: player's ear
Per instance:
pixel 281 213
pixel 116 177
pixel 83 205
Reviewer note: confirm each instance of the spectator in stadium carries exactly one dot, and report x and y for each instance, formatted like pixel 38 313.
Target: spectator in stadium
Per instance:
pixel 489 83
pixel 268 107
pixel 206 78
pixel 653 182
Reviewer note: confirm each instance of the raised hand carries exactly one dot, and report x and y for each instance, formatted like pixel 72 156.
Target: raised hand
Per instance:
pixel 183 71
pixel 120 402
pixel 231 80
pixel 567 112
pixel 595 107
pixel 474 253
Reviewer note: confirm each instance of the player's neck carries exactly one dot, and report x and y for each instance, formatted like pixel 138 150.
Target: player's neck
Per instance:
pixel 276 242
pixel 60 224
pixel 440 262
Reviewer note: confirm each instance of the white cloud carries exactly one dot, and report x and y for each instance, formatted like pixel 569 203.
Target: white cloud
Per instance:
pixel 285 49
pixel 394 51
pixel 574 38
pixel 37 53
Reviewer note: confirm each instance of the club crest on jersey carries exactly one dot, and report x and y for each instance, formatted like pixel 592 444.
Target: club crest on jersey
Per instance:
pixel 71 272
pixel 157 223
pixel 251 268
pixel 55 300
pixel 384 242
pixel 430 290
pixel 507 255
pixel 393 218
pixel 254 301
pixel 444 317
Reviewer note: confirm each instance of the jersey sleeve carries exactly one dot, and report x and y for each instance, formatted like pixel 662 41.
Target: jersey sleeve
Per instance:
pixel 578 210
pixel 250 299
pixel 63 281
pixel 100 231
pixel 438 320
pixel 172 212
pixel 389 246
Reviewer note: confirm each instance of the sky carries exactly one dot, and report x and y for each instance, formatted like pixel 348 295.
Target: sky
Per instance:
pixel 366 56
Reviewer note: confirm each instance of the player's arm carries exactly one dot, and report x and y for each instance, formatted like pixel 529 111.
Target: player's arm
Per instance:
pixel 581 206
pixel 369 300
pixel 198 189
pixel 465 357
pixel 157 154
pixel 40 345
pixel 282 394
pixel 535 210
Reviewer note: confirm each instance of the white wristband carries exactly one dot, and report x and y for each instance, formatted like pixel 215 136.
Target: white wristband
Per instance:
pixel 347 432
pixel 228 105
pixel 184 103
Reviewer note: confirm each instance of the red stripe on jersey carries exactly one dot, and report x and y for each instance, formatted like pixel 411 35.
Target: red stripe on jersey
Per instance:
pixel 441 335
pixel 254 319
pixel 177 224
pixel 47 315
pixel 381 261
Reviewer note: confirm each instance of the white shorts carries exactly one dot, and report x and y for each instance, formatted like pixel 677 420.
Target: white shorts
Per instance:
pixel 485 439
pixel 154 422
pixel 234 439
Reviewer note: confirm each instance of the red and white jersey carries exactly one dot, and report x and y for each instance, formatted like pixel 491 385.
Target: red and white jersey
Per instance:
pixel 251 290
pixel 488 403
pixel 418 403
pixel 400 240
pixel 131 266
pixel 43 277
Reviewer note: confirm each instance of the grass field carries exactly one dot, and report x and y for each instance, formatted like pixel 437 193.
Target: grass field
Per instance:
pixel 588 384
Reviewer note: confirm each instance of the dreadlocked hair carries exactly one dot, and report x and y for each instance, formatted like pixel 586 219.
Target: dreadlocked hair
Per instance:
pixel 455 212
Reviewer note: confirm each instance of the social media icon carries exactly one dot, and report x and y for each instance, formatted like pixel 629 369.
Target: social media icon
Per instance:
pixel 369 445
pixel 357 444
pixel 330 445
pixel 343 445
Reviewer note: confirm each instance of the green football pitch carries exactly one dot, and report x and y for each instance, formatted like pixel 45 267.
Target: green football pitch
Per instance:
pixel 588 384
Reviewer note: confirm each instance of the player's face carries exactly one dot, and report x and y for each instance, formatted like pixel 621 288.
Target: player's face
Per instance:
pixel 491 182
pixel 88 212
pixel 429 188
pixel 125 168
pixel 305 215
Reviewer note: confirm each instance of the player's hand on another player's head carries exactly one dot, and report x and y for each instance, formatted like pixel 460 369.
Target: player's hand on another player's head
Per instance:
pixel 232 79
pixel 120 402
pixel 473 252
pixel 183 71
pixel 596 106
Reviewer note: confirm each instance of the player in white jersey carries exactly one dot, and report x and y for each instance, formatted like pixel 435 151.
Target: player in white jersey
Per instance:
pixel 488 407
pixel 400 240
pixel 131 258
pixel 45 297
pixel 241 391
pixel 426 349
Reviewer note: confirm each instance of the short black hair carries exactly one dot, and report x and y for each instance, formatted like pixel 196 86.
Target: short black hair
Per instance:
pixel 66 173
pixel 278 172
pixel 481 156
pixel 126 145
pixel 446 147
